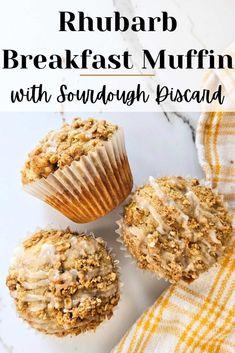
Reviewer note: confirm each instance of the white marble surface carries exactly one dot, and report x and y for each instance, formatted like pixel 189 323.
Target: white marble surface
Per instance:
pixel 157 145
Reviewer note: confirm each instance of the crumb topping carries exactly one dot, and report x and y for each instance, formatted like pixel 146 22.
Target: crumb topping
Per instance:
pixel 60 148
pixel 176 227
pixel 63 283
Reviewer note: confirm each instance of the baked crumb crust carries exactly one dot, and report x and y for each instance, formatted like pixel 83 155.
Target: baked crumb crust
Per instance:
pixel 63 283
pixel 60 148
pixel 176 228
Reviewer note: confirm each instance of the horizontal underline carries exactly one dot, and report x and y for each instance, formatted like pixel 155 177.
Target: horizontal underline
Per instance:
pixel 136 75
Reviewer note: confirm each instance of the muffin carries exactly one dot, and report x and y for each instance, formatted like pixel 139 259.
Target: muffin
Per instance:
pixel 63 283
pixel 82 169
pixel 176 228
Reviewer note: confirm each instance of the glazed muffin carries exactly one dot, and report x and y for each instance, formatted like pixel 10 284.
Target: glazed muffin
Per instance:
pixel 176 228
pixel 63 283
pixel 82 169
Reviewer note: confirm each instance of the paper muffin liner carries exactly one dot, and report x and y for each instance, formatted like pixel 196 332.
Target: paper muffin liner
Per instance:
pixel 116 264
pixel 91 187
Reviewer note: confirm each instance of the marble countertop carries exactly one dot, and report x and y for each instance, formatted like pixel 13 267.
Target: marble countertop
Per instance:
pixel 157 144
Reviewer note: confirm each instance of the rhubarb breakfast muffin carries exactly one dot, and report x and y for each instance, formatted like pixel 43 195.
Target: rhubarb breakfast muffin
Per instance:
pixel 63 283
pixel 82 169
pixel 176 228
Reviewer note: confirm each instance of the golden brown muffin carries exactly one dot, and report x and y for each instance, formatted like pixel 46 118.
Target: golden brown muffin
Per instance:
pixel 63 283
pixel 60 148
pixel 176 228
pixel 82 170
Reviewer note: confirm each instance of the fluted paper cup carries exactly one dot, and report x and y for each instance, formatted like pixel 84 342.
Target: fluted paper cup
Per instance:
pixel 91 187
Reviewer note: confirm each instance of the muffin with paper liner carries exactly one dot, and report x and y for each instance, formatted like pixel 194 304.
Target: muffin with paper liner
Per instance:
pixel 63 282
pixel 82 170
pixel 175 227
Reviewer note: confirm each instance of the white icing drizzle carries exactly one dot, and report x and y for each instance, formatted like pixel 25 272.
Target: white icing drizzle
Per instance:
pixel 100 271
pixel 164 197
pixel 37 307
pixel 158 190
pixel 39 275
pixel 199 211
pixel 29 297
pixel 82 296
pixel 146 204
pixel 73 241
pixel 204 249
pixel 213 237
pixel 35 285
pixel 36 282
pixel 81 247
pixel 87 133
pixel 52 144
pixel 138 232
pixel 182 218
pixel 47 255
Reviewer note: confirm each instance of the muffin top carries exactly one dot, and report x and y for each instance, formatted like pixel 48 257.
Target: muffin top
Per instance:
pixel 176 228
pixel 63 282
pixel 60 148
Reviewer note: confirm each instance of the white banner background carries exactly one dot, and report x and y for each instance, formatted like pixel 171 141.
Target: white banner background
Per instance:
pixel 33 28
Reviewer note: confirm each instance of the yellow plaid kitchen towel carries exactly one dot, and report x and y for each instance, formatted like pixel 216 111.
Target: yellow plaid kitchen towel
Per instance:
pixel 199 317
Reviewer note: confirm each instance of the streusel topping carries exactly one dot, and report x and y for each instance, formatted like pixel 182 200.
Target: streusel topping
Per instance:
pixel 60 148
pixel 176 227
pixel 63 282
